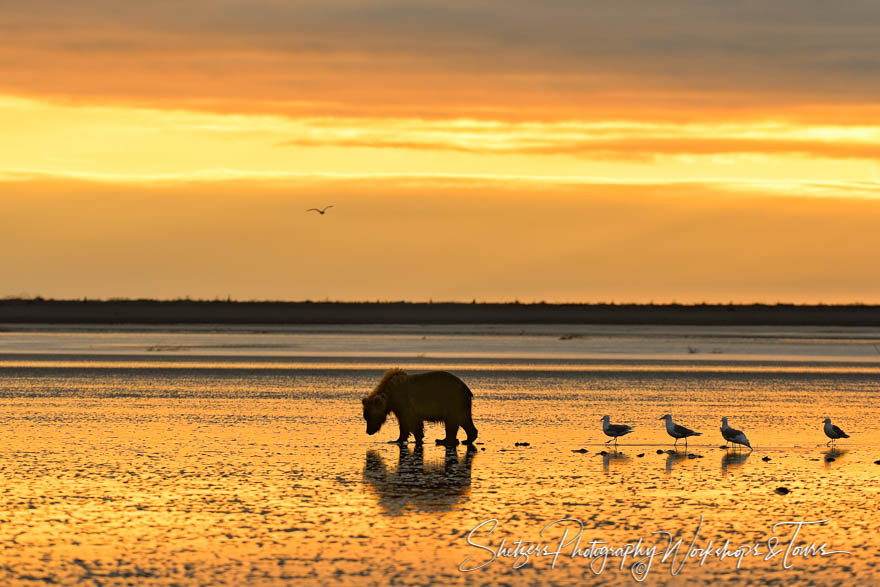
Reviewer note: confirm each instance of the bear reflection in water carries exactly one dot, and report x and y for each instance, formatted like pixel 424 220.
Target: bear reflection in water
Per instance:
pixel 420 485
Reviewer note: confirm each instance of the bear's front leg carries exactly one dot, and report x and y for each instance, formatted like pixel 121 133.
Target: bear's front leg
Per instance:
pixel 419 432
pixel 404 433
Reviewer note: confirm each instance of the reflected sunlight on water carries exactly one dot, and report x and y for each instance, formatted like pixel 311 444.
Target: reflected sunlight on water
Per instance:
pixel 257 468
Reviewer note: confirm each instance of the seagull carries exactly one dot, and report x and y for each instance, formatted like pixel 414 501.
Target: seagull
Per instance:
pixel 677 432
pixel 733 435
pixel 833 432
pixel 320 211
pixel 614 430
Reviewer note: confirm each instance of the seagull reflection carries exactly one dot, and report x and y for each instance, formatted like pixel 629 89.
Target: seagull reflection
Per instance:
pixel 673 457
pixel 617 457
pixel 832 455
pixel 733 460
pixel 416 484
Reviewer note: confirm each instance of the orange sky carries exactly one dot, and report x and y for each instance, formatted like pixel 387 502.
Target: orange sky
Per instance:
pixel 563 151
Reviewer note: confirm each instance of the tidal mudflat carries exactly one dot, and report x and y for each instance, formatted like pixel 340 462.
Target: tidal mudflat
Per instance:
pixel 225 455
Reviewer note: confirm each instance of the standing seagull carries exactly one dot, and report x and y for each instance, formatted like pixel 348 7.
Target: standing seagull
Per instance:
pixel 833 432
pixel 614 430
pixel 733 435
pixel 677 432
pixel 320 211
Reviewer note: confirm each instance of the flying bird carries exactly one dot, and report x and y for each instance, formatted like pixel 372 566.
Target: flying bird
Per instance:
pixel 833 432
pixel 614 430
pixel 733 435
pixel 320 210
pixel 678 432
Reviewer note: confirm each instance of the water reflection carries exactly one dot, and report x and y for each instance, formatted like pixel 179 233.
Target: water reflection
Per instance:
pixel 619 458
pixel 673 457
pixel 733 460
pixel 832 456
pixel 420 485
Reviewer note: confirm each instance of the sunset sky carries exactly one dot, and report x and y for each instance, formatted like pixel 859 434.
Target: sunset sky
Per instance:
pixel 627 151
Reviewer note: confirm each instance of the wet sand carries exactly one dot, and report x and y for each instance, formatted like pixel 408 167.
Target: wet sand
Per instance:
pixel 140 471
pixel 229 491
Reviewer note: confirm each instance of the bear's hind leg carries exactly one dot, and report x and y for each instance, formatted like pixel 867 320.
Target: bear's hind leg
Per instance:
pixel 468 424
pixel 470 430
pixel 451 432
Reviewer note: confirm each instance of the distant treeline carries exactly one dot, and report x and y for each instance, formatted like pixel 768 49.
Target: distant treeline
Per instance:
pixel 40 311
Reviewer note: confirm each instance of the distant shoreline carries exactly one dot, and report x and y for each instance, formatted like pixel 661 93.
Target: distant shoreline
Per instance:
pixel 150 312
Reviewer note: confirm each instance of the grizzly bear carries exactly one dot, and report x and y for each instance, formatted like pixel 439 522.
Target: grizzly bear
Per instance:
pixel 436 396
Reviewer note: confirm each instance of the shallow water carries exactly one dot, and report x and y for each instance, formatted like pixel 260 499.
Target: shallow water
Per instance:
pixel 233 454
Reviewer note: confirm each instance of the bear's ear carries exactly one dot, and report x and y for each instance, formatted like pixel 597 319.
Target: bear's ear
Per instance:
pixel 364 400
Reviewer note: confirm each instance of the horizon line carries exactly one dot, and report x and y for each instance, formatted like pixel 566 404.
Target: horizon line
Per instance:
pixel 474 301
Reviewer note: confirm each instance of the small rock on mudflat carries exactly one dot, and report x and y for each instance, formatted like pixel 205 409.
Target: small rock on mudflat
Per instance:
pixel 783 490
pixel 640 455
pixel 765 459
pixel 580 450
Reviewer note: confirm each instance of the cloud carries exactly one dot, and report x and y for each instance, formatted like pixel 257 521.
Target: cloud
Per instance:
pixel 557 57
pixel 637 140
pixel 121 144
pixel 626 149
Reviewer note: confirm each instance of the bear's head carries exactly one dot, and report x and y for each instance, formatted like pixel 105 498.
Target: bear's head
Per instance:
pixel 375 412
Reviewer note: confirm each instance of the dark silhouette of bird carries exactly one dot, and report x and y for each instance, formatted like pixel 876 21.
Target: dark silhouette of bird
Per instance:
pixel 320 210
pixel 733 435
pixel 677 432
pixel 833 432
pixel 614 430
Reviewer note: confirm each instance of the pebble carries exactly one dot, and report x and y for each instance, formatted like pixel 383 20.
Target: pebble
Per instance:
pixel 640 455
pixel 765 459
pixel 783 490
pixel 521 444
pixel 877 462
pixel 580 450
pixel 602 452
pixel 659 452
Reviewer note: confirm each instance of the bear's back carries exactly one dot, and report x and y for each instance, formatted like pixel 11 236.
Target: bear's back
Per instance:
pixel 433 395
pixel 438 382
